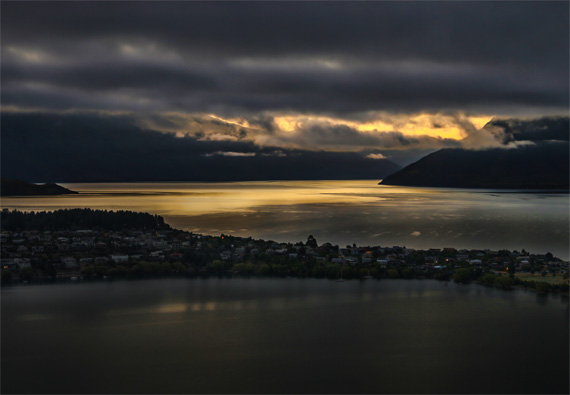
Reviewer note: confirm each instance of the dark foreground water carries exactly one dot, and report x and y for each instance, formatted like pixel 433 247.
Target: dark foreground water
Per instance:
pixel 282 336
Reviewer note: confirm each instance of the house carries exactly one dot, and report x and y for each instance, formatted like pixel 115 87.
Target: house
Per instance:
pixel 22 262
pixel 77 245
pixel 22 248
pixel 37 248
pixel 382 262
pixel 367 257
pixel 352 260
pixel 120 258
pixel 69 262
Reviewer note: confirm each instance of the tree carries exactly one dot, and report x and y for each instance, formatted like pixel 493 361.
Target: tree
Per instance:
pixel 332 270
pixel 311 242
pixel 264 269
pixel 488 278
pixel 178 267
pixel 216 266
pixel 393 273
pixel 27 274
pixel 504 282
pixel 6 276
pixel 542 287
pixel 462 276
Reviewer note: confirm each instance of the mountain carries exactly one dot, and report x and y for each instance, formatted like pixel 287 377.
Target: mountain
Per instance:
pixel 543 165
pixel 23 188
pixel 97 148
pixel 529 153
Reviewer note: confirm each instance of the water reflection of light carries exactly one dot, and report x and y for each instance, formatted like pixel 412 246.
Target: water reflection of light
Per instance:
pixel 172 308
pixel 334 211
pixel 34 317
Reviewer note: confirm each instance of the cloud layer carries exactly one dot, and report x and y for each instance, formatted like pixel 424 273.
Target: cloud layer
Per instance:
pixel 44 147
pixel 240 58
pixel 253 80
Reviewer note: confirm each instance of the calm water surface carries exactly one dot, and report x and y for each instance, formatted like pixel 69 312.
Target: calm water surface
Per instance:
pixel 282 336
pixel 341 212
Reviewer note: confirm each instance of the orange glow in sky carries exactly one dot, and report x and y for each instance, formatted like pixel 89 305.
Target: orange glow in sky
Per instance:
pixel 434 125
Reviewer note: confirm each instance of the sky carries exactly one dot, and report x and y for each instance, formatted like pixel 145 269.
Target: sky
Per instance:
pixel 391 80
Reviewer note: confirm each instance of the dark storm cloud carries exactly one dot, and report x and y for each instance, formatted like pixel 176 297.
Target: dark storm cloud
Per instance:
pixel 482 33
pixel 43 147
pixel 542 129
pixel 333 58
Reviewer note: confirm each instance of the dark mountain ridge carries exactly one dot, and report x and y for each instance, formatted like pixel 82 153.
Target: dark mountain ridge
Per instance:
pixel 543 165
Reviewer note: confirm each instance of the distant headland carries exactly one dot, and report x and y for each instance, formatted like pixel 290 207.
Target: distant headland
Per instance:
pixel 23 188
pixel 538 166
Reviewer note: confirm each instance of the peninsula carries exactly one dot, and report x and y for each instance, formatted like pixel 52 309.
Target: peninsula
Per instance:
pixel 99 244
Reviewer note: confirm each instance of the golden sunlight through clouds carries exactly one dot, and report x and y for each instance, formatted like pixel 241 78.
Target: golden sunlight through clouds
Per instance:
pixel 433 125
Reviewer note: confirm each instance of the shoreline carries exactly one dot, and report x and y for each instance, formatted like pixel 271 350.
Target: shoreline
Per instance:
pixel 229 276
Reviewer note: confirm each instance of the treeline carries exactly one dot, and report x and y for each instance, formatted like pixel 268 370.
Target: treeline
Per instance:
pixel 79 218
pixel 506 281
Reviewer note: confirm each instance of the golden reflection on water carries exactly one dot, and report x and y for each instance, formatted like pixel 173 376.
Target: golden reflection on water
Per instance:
pixel 172 308
pixel 340 212
pixel 270 304
pixel 194 198
pixel 204 198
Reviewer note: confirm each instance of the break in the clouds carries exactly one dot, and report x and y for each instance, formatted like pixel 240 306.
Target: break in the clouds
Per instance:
pixel 338 76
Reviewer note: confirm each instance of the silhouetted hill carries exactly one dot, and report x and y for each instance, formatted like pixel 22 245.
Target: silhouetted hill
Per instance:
pixel 541 166
pixel 91 148
pixel 23 188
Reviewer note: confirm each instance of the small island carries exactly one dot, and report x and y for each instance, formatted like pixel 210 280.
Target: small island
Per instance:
pixel 23 188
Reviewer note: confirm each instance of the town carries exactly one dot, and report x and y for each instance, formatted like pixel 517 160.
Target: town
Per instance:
pixel 136 252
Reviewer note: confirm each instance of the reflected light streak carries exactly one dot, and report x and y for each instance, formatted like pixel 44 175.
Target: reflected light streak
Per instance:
pixel 172 308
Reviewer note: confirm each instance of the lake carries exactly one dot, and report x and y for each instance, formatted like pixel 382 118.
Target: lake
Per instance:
pixel 240 335
pixel 340 212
